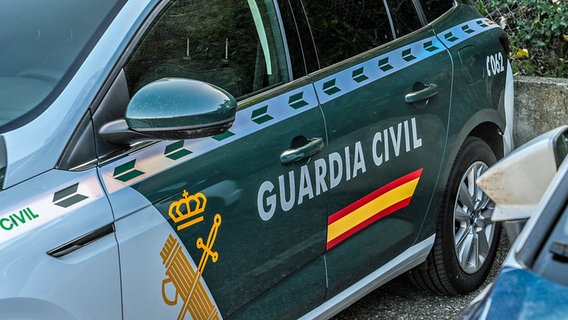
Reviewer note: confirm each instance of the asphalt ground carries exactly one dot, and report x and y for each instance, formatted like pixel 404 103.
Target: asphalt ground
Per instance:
pixel 399 299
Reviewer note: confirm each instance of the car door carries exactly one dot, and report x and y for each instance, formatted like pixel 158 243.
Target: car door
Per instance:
pixel 229 224
pixel 384 84
pixel 479 49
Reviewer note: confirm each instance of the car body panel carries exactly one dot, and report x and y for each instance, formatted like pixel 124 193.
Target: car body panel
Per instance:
pixel 473 42
pixel 229 176
pixel 397 146
pixel 66 207
pixel 465 33
pixel 520 294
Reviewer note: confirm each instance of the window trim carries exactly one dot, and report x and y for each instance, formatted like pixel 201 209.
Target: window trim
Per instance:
pixel 291 74
pixel 391 21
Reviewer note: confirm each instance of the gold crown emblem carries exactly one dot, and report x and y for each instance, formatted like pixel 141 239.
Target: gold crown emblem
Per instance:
pixel 188 207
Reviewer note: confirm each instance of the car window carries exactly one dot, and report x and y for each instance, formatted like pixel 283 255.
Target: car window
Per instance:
pixel 41 46
pixel 433 9
pixel 552 257
pixel 342 29
pixel 235 45
pixel 404 16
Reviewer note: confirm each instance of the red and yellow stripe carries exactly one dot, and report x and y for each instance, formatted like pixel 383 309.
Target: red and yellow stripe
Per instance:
pixel 367 210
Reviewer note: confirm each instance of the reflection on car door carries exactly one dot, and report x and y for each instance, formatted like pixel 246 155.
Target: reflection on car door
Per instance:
pixel 207 226
pixel 54 229
pixel 387 114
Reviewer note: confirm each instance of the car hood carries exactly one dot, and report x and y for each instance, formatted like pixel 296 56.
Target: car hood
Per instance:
pixel 520 294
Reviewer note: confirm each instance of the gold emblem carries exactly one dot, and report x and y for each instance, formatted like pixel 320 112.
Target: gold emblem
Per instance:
pixel 188 209
pixel 186 280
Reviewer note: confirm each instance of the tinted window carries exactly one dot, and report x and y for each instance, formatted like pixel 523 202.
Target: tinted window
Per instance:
pixel 235 45
pixel 404 17
pixel 435 8
pixel 344 28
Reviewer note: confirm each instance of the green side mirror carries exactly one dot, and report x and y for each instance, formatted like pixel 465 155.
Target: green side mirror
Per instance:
pixel 175 108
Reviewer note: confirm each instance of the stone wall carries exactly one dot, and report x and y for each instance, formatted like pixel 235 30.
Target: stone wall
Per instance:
pixel 541 104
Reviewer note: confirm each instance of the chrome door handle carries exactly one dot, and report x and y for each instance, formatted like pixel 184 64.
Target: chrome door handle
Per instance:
pixel 292 155
pixel 422 92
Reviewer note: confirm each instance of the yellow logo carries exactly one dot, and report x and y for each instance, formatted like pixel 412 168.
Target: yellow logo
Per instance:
pixel 187 280
pixel 188 208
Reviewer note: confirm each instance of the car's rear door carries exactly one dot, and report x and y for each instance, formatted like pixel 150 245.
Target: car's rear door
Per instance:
pixel 227 225
pixel 384 84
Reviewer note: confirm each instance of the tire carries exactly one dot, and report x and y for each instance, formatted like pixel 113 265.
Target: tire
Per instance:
pixel 466 240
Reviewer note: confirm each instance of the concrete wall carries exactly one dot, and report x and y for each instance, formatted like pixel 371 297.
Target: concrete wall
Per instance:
pixel 541 104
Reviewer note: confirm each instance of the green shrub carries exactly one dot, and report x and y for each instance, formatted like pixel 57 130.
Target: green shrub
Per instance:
pixel 538 31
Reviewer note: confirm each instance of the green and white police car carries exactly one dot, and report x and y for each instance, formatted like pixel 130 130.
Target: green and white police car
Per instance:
pixel 211 159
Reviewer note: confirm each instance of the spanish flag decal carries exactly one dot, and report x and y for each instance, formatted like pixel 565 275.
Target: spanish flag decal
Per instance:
pixel 377 205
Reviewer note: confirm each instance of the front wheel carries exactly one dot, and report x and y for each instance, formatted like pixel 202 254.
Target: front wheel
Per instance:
pixel 466 238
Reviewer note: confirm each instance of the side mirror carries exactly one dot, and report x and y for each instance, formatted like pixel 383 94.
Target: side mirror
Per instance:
pixel 517 183
pixel 173 109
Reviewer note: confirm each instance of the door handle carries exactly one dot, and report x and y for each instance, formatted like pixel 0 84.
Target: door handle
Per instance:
pixel 81 241
pixel 421 92
pixel 313 146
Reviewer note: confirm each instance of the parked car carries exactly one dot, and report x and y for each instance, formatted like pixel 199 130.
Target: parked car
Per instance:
pixel 243 159
pixel 532 283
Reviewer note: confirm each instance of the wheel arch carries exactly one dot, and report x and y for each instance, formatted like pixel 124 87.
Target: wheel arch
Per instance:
pixel 491 134
pixel 487 125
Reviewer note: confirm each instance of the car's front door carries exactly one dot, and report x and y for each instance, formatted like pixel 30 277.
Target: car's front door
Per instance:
pixel 227 225
pixel 386 112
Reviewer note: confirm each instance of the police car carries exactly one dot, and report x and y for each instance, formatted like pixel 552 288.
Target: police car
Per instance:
pixel 243 159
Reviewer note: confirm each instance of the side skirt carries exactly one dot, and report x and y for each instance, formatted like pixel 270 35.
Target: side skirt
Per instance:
pixel 407 260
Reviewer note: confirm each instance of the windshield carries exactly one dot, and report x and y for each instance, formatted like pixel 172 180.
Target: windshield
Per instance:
pixel 43 43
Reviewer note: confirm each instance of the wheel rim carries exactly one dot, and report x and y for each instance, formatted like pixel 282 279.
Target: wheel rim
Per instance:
pixel 474 230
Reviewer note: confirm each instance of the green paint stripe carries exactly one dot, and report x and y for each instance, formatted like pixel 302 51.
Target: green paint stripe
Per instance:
pixel 124 168
pixel 450 37
pixel 71 201
pixel 482 24
pixel 407 55
pixel 359 75
pixel 330 88
pixel 174 147
pixel 65 192
pixel 223 136
pixel 262 119
pixel 429 46
pixel 296 101
pixel 299 104
pixel 384 65
pixel 467 29
pixel 129 175
pixel 259 112
pixel 176 150
pixel 178 154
